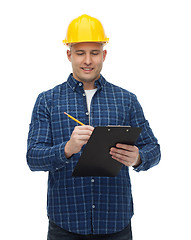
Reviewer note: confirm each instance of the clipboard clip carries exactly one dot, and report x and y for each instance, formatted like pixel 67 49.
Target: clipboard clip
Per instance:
pixel 109 129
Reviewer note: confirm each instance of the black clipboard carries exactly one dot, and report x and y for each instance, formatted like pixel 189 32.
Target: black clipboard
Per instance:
pixel 95 159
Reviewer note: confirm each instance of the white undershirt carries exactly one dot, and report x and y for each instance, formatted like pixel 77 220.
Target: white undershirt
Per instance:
pixel 89 95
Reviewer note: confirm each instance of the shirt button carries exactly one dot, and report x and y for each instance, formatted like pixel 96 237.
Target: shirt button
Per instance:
pixel 84 94
pixel 92 180
pixel 87 113
pixel 93 206
pixel 80 84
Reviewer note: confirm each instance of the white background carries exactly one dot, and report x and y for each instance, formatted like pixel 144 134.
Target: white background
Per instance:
pixel 149 54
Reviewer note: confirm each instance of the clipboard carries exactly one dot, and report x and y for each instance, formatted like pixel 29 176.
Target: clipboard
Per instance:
pixel 95 159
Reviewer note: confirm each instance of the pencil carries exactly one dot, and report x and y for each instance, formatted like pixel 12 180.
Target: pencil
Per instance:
pixel 74 118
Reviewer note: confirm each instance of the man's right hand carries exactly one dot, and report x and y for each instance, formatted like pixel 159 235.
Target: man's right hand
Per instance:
pixel 79 137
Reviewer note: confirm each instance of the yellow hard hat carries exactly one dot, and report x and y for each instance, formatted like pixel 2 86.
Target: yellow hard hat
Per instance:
pixel 85 29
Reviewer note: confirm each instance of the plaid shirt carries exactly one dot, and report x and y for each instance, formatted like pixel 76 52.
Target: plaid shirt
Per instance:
pixel 86 205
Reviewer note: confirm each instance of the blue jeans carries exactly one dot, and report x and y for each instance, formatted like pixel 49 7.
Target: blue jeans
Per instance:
pixel 57 233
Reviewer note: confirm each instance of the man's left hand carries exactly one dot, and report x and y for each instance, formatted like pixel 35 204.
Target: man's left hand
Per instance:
pixel 126 154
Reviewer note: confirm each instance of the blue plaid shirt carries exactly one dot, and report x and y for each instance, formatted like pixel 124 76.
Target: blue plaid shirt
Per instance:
pixel 86 205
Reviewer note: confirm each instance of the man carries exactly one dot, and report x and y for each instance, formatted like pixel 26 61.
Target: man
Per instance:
pixel 87 207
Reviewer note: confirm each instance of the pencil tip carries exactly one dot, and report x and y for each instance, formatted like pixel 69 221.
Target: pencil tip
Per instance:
pixel 65 113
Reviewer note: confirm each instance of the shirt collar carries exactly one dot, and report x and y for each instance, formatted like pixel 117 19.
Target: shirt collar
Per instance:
pixel 76 85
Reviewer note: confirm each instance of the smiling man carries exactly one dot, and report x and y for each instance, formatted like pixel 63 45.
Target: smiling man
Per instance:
pixel 87 207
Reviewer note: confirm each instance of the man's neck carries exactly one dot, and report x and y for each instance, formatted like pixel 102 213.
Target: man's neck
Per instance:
pixel 89 86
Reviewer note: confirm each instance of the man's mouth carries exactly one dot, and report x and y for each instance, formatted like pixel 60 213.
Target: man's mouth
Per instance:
pixel 87 69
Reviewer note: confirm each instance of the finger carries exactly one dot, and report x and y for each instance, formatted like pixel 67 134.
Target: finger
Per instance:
pixel 82 137
pixel 90 127
pixel 85 127
pixel 122 152
pixel 84 132
pixel 126 147
pixel 126 163
pixel 120 156
pixel 82 142
pixel 119 151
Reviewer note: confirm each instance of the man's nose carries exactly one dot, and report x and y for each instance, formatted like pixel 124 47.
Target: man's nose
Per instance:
pixel 87 59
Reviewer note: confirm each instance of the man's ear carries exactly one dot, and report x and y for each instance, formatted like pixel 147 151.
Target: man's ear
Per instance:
pixel 69 55
pixel 104 54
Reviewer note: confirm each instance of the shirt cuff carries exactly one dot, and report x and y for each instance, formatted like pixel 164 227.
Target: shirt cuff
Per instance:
pixel 141 166
pixel 60 159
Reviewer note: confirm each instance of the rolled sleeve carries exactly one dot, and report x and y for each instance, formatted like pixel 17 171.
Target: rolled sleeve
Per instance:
pixel 42 155
pixel 149 149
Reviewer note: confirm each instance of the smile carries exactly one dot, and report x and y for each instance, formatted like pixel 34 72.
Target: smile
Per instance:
pixel 87 69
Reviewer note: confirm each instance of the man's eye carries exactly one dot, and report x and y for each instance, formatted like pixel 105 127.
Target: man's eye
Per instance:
pixel 95 53
pixel 80 54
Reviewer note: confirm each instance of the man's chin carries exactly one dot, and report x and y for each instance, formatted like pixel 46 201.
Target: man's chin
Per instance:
pixel 88 79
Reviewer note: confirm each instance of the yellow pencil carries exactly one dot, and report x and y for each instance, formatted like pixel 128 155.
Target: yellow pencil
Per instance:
pixel 73 118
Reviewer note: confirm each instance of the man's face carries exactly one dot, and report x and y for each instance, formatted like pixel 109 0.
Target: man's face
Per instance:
pixel 87 60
